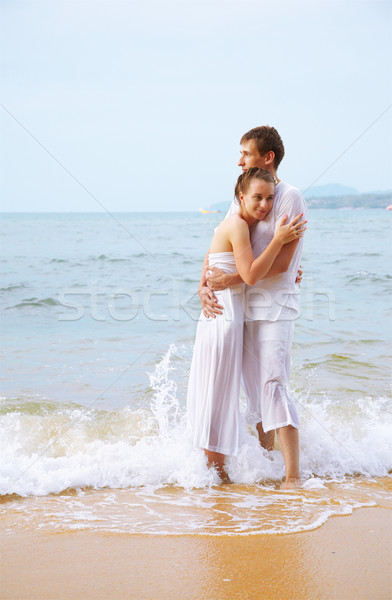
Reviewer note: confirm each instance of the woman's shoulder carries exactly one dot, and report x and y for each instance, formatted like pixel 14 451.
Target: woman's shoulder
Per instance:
pixel 230 222
pixel 237 228
pixel 235 220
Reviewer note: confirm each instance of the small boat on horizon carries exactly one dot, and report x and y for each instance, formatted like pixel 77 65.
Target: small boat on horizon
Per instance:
pixel 208 211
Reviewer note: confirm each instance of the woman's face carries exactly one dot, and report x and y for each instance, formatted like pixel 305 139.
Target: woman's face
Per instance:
pixel 258 199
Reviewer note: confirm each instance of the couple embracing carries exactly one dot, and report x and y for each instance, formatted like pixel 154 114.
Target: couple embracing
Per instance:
pixel 250 300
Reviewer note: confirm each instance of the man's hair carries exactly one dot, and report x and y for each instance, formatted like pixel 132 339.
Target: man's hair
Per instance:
pixel 266 138
pixel 245 179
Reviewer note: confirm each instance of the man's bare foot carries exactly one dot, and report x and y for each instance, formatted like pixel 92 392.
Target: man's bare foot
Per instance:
pixel 291 484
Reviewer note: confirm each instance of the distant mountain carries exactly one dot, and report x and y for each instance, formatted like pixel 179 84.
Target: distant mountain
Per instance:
pixel 329 190
pixel 222 206
pixel 368 200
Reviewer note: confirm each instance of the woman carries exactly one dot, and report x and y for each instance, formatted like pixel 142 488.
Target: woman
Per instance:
pixel 215 375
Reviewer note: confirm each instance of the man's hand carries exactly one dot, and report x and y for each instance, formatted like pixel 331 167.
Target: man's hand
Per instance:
pixel 217 279
pixel 209 302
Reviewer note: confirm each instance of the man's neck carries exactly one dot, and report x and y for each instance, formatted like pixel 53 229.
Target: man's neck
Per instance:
pixel 274 175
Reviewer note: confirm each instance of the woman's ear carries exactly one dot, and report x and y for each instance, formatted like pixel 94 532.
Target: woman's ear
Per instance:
pixel 241 196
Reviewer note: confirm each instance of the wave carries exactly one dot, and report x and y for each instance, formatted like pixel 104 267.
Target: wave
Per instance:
pixel 109 259
pixel 48 449
pixel 11 287
pixel 35 302
pixel 370 277
pixel 224 510
pixel 131 257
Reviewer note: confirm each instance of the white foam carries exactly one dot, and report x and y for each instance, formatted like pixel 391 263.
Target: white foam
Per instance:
pixel 233 510
pixel 52 451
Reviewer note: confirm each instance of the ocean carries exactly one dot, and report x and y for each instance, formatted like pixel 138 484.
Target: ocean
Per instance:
pixel 99 314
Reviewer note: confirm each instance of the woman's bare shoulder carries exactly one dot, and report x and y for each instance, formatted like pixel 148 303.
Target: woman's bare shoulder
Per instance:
pixel 229 222
pixel 234 228
pixel 235 221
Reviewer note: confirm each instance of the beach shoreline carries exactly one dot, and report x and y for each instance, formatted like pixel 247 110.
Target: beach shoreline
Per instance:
pixel 347 557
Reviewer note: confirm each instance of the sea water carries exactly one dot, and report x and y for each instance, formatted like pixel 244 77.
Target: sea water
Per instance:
pixel 99 314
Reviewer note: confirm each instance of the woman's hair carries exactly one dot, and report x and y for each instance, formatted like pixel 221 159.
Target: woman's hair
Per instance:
pixel 244 180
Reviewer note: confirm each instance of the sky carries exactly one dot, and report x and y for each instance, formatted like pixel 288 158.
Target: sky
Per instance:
pixel 139 106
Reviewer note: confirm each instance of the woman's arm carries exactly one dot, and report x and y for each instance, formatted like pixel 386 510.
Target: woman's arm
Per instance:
pixel 251 269
pixel 220 280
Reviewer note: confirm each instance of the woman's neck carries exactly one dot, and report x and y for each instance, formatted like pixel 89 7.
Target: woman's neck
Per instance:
pixel 247 218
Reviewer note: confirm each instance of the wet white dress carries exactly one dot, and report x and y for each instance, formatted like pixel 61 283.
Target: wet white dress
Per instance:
pixel 215 375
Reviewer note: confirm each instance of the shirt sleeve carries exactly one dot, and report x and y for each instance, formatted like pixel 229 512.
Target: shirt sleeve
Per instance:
pixel 233 210
pixel 292 204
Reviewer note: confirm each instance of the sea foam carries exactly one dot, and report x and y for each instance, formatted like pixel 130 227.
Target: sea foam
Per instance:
pixel 57 448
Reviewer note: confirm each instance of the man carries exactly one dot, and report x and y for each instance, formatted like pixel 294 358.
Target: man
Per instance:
pixel 272 305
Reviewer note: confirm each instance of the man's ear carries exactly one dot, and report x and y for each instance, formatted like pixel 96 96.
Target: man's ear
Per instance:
pixel 269 157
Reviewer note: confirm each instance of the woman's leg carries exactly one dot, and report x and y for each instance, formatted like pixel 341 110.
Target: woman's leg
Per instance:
pixel 267 440
pixel 217 460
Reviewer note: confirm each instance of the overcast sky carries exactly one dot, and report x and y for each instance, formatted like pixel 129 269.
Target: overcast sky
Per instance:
pixel 144 103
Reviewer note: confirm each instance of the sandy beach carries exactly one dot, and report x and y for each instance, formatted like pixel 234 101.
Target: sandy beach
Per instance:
pixel 348 558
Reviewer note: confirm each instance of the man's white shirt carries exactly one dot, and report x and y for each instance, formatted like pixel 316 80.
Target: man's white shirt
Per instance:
pixel 279 296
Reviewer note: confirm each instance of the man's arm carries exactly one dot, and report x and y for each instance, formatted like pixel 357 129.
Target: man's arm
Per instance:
pixel 283 260
pixel 293 205
pixel 209 302
pixel 220 280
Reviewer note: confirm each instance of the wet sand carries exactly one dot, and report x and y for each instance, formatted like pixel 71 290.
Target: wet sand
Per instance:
pixel 349 557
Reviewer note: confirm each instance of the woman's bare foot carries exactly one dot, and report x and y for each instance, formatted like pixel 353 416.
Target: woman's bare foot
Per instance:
pixel 217 460
pixel 225 479
pixel 291 484
pixel 267 440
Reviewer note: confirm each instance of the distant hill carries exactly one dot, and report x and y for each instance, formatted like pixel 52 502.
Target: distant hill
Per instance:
pixel 222 206
pixel 369 200
pixel 329 190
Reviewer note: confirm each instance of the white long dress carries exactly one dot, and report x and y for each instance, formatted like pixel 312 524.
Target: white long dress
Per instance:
pixel 215 375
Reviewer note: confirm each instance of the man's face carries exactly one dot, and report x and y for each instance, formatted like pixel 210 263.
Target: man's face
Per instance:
pixel 250 156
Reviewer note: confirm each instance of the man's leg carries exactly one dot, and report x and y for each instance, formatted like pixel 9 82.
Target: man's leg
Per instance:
pixel 277 406
pixel 251 383
pixel 289 444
